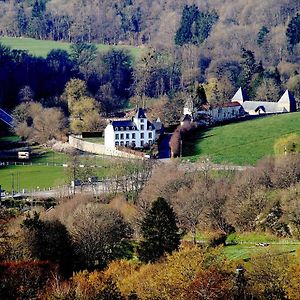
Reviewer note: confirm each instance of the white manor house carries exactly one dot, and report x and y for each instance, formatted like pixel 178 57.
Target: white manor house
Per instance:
pixel 136 132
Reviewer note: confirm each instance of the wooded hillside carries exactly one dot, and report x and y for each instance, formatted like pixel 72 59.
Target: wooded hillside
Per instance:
pixel 222 44
pixel 256 25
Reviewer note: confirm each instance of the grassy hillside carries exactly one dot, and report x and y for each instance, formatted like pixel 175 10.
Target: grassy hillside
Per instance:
pixel 42 47
pixel 242 143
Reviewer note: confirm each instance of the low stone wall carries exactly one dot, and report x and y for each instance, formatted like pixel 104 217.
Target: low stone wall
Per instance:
pixel 78 143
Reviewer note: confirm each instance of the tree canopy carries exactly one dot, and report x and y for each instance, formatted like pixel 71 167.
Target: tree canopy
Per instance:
pixel 160 232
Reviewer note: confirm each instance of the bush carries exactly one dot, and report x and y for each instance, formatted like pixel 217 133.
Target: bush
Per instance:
pixel 217 239
pixel 287 144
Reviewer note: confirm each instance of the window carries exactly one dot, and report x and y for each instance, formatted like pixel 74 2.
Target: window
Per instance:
pixel 116 143
pixel 133 136
pixel 122 143
pixel 142 120
pixel 127 136
pixel 142 127
pixel 117 136
pixel 122 128
pixel 116 129
pixel 150 127
pixel 122 136
pixel 127 143
pixel 150 142
pixel 142 135
pixel 127 128
pixel 150 135
pixel 142 143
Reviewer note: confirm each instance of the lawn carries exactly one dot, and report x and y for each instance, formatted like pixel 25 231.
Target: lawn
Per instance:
pixel 10 139
pixel 48 156
pixel 246 251
pixel 241 143
pixel 243 245
pixel 96 140
pixel 44 168
pixel 31 177
pixel 43 176
pixel 43 47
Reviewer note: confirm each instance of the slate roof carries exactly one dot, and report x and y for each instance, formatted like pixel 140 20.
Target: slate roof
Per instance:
pixel 140 114
pixel 150 124
pixel 157 125
pixel 124 123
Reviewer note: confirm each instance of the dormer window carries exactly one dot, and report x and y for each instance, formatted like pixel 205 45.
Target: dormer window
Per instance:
pixel 150 127
pixel 122 128
pixel 116 129
pixel 127 128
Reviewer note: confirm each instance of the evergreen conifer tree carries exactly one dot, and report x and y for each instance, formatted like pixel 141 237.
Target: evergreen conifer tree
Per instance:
pixel 160 232
pixel 293 32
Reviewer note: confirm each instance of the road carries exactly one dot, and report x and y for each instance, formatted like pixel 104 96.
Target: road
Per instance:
pixel 164 149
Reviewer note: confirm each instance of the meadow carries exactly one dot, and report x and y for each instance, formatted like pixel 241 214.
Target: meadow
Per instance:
pixel 43 47
pixel 31 177
pixel 243 142
pixel 45 168
pixel 243 246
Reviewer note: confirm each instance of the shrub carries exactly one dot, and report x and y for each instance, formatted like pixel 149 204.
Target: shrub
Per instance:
pixel 217 239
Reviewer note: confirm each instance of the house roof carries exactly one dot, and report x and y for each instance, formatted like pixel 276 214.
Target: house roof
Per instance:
pixel 125 124
pixel 267 107
pixel 129 125
pixel 288 98
pixel 240 95
pixel 231 104
pixel 140 114
pixel 150 124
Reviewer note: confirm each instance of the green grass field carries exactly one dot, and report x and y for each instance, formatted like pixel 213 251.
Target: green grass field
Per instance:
pixel 243 245
pixel 242 143
pixel 31 177
pixel 98 140
pixel 41 175
pixel 43 47
pixel 246 251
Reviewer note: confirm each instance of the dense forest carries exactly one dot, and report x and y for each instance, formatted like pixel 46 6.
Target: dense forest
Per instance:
pixel 219 45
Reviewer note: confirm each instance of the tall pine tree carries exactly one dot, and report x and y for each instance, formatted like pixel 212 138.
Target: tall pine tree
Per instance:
pixel 160 232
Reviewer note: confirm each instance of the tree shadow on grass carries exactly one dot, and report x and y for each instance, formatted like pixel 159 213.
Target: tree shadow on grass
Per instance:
pixel 191 141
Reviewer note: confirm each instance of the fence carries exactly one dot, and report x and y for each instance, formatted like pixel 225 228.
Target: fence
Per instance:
pixel 27 163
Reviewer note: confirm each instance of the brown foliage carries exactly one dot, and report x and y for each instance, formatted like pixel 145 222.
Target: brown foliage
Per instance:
pixel 210 284
pixel 24 279
pixel 38 124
